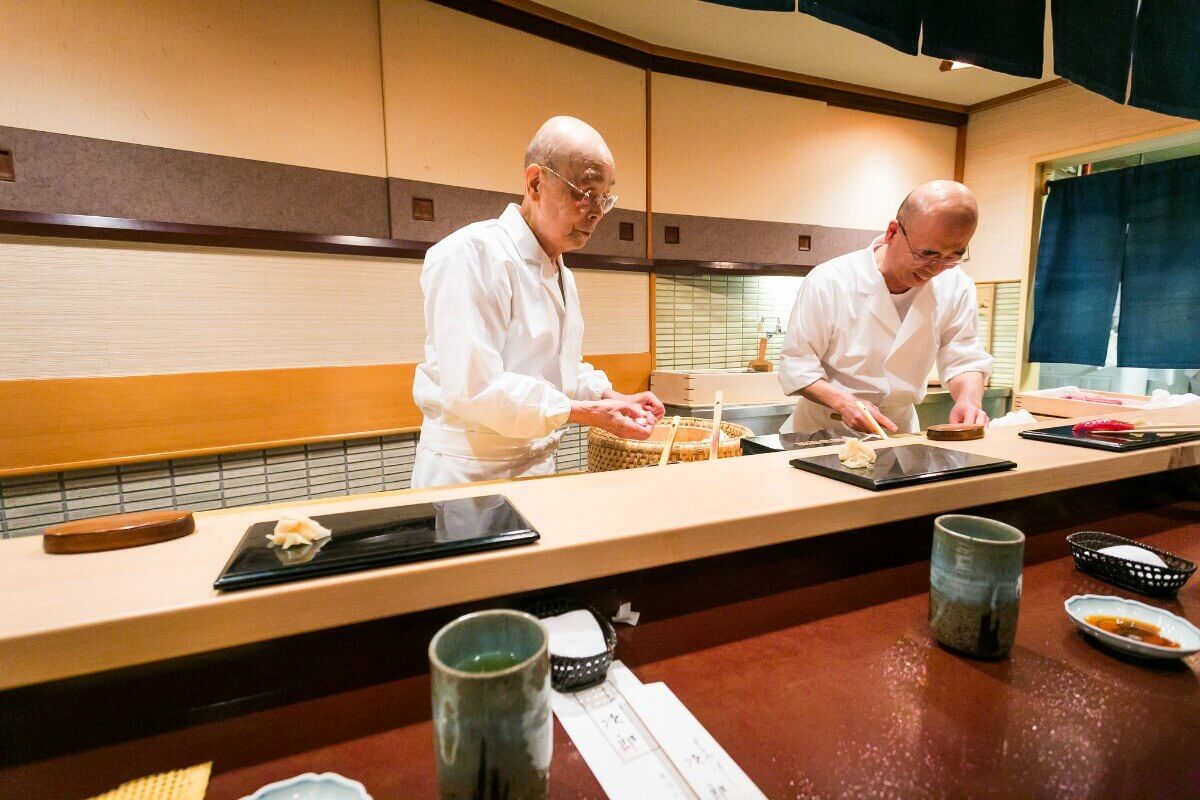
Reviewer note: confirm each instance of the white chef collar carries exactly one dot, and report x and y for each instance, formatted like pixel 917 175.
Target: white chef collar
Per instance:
pixel 528 247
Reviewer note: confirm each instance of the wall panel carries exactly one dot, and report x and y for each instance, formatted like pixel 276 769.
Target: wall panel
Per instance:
pixel 96 308
pixel 273 80
pixel 722 151
pixel 464 96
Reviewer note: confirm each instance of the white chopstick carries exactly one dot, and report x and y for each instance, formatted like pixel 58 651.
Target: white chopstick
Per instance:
pixel 874 424
pixel 666 453
pixel 716 436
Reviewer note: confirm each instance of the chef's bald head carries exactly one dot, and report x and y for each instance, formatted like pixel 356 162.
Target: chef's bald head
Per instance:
pixel 569 176
pixel 563 143
pixel 944 203
pixel 932 230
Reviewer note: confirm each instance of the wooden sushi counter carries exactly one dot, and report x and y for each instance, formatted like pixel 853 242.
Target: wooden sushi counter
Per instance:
pixel 786 610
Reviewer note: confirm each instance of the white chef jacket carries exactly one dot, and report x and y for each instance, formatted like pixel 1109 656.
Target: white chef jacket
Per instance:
pixel 845 328
pixel 504 338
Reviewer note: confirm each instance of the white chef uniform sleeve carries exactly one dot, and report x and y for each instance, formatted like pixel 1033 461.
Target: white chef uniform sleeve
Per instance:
pixel 959 349
pixel 808 334
pixel 591 383
pixel 468 303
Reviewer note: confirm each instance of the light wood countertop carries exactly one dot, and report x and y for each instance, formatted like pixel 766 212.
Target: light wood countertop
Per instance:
pixel 66 616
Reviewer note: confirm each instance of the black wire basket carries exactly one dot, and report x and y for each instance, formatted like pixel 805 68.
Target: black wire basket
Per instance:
pixel 569 674
pixel 1147 579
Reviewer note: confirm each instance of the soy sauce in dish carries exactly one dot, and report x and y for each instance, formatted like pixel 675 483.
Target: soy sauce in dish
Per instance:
pixel 1131 629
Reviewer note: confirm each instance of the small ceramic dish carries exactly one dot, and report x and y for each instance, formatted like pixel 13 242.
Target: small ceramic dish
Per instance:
pixel 311 786
pixel 1173 627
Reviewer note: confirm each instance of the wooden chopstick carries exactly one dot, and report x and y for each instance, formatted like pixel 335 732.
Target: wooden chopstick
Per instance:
pixel 666 453
pixel 716 437
pixel 874 424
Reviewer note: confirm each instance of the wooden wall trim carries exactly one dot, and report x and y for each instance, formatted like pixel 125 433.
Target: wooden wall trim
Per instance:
pixel 960 153
pixel 81 226
pixel 75 226
pixel 674 266
pixel 57 424
pixel 536 19
pixel 1020 94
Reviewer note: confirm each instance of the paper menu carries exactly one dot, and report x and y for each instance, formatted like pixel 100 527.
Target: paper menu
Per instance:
pixel 614 742
pixel 705 765
pixel 641 741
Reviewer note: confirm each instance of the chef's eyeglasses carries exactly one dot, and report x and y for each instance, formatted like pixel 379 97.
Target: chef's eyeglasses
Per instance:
pixel 935 260
pixel 604 202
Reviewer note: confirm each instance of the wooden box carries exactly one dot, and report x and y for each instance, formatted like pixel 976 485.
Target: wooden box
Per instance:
pixel 1044 403
pixel 698 387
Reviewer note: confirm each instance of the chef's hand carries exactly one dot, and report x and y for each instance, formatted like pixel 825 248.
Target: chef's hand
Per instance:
pixel 969 414
pixel 619 417
pixel 853 417
pixel 647 400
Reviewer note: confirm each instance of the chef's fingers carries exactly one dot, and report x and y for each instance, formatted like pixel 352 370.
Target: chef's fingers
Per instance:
pixel 653 404
pixel 628 427
pixel 858 421
pixel 979 417
pixel 883 420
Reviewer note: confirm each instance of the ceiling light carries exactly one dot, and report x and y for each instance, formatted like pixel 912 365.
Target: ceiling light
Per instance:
pixel 946 66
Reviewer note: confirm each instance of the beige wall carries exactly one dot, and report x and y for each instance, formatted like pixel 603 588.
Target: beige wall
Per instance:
pixel 730 152
pixel 1003 143
pixel 274 80
pixel 87 309
pixel 464 96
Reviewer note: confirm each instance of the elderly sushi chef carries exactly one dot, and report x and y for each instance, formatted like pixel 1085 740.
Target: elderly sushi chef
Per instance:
pixel 868 326
pixel 503 371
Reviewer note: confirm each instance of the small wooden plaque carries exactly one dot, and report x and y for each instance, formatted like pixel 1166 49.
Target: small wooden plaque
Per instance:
pixel 117 531
pixel 954 433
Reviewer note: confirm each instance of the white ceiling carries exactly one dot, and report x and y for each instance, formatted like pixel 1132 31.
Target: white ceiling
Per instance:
pixel 793 42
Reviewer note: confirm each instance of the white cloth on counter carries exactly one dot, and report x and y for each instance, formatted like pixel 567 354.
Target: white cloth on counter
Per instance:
pixel 1161 398
pixel 845 329
pixel 503 355
pixel 1018 417
pixel 575 634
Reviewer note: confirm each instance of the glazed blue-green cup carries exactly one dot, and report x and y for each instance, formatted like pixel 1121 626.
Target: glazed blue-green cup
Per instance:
pixel 975 584
pixel 492 729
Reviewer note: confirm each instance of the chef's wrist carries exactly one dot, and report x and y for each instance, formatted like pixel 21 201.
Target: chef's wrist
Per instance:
pixel 559 413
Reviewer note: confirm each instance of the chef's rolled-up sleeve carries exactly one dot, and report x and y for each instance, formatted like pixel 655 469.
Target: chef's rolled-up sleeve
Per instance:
pixel 591 383
pixel 468 301
pixel 809 330
pixel 959 349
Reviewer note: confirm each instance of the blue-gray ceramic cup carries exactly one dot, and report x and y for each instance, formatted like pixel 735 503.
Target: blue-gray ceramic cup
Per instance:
pixel 975 584
pixel 492 729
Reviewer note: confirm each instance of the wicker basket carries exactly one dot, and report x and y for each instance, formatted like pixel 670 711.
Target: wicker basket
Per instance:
pixel 607 451
pixel 1148 579
pixel 568 674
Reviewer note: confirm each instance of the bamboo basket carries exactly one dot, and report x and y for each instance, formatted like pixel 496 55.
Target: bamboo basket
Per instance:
pixel 607 451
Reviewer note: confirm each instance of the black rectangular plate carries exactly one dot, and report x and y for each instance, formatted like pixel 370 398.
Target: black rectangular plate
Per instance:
pixel 1062 434
pixel 378 537
pixel 778 442
pixel 904 465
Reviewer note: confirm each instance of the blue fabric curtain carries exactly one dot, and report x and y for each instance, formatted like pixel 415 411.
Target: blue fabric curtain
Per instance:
pixel 1166 58
pixel 1160 291
pixel 758 5
pixel 1093 42
pixel 896 23
pixel 1004 36
pixel 1080 259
